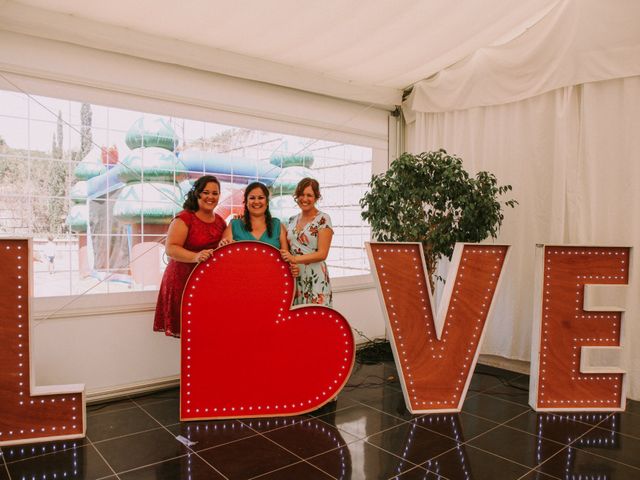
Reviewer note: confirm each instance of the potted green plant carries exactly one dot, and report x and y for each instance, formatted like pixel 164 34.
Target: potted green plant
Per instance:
pixel 430 198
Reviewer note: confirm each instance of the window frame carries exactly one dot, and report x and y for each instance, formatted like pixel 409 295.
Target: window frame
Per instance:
pixel 70 306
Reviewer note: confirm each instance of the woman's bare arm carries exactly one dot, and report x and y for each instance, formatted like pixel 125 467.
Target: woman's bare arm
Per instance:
pixel 174 246
pixel 227 236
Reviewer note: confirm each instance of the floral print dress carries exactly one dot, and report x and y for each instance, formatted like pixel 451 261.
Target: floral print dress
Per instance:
pixel 312 285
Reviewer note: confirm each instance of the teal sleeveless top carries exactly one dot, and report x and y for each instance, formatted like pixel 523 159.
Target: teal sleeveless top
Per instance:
pixel 240 233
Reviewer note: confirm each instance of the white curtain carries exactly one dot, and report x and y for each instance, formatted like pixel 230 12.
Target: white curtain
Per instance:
pixel 578 41
pixel 555 113
pixel 573 158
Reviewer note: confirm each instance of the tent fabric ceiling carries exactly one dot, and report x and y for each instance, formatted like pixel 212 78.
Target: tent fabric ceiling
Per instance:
pixel 577 42
pixel 364 51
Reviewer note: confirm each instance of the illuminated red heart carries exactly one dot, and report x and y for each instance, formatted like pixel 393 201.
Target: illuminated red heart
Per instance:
pixel 245 351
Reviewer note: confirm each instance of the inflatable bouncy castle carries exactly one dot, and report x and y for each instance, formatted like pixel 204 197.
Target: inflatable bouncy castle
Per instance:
pixel 122 209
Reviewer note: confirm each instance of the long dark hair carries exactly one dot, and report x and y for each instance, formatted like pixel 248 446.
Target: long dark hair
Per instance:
pixel 191 201
pixel 267 214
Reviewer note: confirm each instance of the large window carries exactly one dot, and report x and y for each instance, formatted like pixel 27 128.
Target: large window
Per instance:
pixel 96 187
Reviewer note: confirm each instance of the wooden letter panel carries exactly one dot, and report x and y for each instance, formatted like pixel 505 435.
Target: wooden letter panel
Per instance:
pixel 28 413
pixel 562 327
pixel 436 354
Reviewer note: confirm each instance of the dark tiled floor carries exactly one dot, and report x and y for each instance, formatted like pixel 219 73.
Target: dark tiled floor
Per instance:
pixel 367 434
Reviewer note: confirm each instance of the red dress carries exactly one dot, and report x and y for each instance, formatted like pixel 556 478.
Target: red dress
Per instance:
pixel 201 236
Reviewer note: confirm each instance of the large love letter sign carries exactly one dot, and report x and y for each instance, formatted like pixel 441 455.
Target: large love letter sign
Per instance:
pixel 28 413
pixel 435 354
pixel 245 351
pixel 575 351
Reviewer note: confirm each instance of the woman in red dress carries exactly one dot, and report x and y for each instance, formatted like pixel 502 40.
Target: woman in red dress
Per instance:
pixel 192 236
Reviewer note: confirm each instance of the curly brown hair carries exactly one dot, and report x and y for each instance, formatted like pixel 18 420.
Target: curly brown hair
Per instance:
pixel 307 182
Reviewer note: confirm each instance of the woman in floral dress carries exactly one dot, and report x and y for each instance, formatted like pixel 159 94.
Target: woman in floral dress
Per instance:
pixel 309 234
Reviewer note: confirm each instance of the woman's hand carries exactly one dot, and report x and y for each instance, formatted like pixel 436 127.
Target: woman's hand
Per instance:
pixel 295 269
pixel 202 255
pixel 288 257
pixel 227 237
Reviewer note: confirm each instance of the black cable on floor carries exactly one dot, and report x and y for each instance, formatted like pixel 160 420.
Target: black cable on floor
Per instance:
pixel 374 352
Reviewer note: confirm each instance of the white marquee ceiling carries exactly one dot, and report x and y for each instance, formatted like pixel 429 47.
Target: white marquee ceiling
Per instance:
pixel 367 51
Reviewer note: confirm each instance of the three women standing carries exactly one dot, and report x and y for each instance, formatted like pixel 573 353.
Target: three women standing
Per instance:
pixel 196 231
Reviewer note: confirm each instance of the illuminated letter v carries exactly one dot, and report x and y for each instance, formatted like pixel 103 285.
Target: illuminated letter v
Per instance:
pixel 436 354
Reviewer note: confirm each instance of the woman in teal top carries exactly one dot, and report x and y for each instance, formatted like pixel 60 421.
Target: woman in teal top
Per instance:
pixel 257 224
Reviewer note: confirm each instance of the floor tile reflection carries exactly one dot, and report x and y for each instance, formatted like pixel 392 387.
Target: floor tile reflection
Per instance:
pixel 22 452
pixel 457 426
pixel 132 451
pixel 575 463
pixel 297 471
pixel 341 402
pixel 559 428
pixel 166 412
pixel 536 475
pixel 267 424
pixel 622 422
pixel 518 446
pixel 492 408
pixel 213 433
pixel 188 467
pixel 310 437
pixel 633 406
pixel 590 418
pixel 413 443
pixel 360 460
pixel 118 423
pixel 418 473
pixel 466 462
pixel 385 398
pixel 248 457
pixel 610 444
pixel 77 463
pixel 361 420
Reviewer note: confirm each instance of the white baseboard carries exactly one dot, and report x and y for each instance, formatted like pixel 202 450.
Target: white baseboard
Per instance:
pixel 120 391
pixel 512 365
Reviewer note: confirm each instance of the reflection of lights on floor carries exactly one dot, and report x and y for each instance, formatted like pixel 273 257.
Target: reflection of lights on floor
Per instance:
pixel 433 465
pixel 48 450
pixel 308 426
pixel 581 476
pixel 606 439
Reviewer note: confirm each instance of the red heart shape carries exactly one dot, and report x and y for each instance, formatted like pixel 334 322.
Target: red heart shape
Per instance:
pixel 245 352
